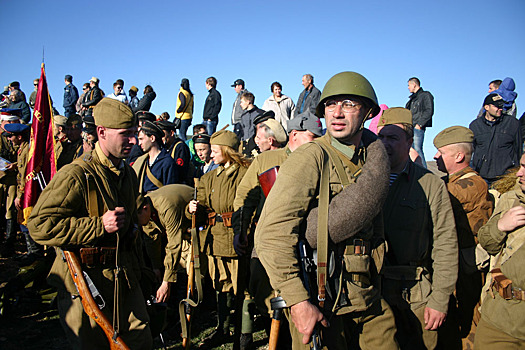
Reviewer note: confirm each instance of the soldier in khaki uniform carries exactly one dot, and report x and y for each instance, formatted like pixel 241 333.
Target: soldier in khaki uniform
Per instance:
pixel 161 215
pixel 71 146
pixel 8 181
pixel 502 324
pixel 421 265
pixel 215 196
pixel 352 302
pixel 250 198
pixel 472 207
pixel 89 208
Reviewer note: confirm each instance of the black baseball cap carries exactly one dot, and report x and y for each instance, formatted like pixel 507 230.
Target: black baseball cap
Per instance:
pixel 238 82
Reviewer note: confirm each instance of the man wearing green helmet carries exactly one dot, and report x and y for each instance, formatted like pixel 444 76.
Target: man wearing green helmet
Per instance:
pixel 332 169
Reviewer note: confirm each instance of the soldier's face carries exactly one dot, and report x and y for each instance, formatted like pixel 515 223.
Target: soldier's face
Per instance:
pixel 116 143
pixel 446 158
pixel 344 125
pixel 397 145
pixel 521 173
pixel 263 142
pixel 216 154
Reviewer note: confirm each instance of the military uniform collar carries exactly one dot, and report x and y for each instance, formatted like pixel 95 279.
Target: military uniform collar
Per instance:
pixel 453 177
pixel 347 150
pixel 229 170
pixel 106 162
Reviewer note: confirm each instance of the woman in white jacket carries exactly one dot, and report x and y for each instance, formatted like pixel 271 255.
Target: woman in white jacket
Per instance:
pixel 282 105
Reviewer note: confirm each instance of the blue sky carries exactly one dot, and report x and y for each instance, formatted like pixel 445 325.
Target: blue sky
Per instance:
pixel 454 47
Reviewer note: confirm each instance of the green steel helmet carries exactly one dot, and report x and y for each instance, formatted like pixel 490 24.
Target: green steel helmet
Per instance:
pixel 348 83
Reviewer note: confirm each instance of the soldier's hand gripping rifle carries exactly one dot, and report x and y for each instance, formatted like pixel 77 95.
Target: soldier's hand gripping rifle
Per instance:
pixel 308 269
pixel 194 282
pixel 88 293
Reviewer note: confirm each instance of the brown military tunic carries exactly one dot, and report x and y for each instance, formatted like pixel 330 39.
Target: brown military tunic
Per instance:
pixel 62 218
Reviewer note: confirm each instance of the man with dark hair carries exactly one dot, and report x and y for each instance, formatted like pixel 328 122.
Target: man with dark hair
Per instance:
pixel 497 140
pixel 237 110
pixel 118 92
pixel 493 86
pixel 250 112
pixel 201 144
pixel 133 99
pixel 89 208
pixel 92 97
pixel 178 150
pixel 146 100
pixel 309 97
pixel 70 96
pixel 421 265
pixel 155 168
pixel 421 104
pixel 212 106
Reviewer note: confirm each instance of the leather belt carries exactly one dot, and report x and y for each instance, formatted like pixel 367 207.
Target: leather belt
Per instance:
pixel 98 256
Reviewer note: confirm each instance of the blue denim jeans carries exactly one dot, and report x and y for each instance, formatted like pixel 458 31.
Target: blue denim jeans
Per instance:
pixel 184 125
pixel 211 126
pixel 419 137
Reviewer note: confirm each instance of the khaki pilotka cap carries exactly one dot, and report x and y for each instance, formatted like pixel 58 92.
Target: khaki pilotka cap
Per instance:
pixel 278 130
pixel 225 138
pixel 60 120
pixel 113 114
pixel 453 134
pixel 395 115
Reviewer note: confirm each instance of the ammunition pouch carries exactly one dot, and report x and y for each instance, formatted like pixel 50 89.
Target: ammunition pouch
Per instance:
pixel 225 218
pixel 356 260
pixel 406 285
pixel 504 286
pixel 98 256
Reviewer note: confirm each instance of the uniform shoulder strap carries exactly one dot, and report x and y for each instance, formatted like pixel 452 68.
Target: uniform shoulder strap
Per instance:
pixel 174 148
pixel 339 168
pixel 152 177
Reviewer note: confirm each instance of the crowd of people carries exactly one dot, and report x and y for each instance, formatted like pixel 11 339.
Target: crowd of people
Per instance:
pixel 343 228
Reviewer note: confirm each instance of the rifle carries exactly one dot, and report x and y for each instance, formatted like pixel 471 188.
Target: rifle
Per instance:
pixel 185 306
pixel 308 268
pixel 88 293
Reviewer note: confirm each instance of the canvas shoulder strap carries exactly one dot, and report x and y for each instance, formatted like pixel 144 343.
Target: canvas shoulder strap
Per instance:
pixel 152 178
pixel 322 230
pixel 339 167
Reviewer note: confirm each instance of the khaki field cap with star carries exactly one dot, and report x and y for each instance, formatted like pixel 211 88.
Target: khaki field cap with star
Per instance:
pixel 113 114
pixel 452 135
pixel 395 115
pixel 225 138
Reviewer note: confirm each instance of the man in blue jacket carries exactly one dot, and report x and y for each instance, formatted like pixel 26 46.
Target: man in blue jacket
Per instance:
pixel 70 96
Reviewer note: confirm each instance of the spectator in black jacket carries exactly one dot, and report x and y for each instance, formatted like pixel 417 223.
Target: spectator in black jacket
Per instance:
pixel 17 102
pixel 93 96
pixel 421 104
pixel 212 106
pixel 146 100
pixel 497 140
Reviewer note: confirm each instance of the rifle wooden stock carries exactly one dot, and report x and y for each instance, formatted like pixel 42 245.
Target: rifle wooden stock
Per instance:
pixel 186 342
pixel 90 306
pixel 274 334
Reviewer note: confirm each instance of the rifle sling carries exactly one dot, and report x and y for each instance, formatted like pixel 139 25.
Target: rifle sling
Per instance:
pixel 152 177
pixel 322 231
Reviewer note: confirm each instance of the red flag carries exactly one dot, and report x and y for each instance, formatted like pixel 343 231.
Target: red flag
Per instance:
pixel 41 163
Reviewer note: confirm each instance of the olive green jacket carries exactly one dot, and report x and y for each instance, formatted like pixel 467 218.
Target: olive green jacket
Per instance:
pixel 421 236
pixel 282 222
pixel 61 219
pixel 8 152
pixel 506 315
pixel 216 193
pixel 169 203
